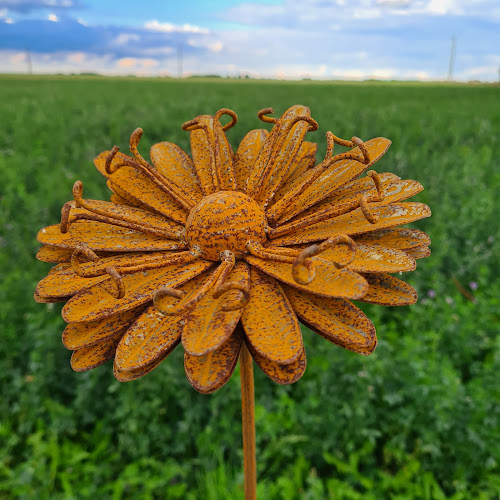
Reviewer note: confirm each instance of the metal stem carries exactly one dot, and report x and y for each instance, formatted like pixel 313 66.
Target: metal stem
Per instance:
pixel 248 423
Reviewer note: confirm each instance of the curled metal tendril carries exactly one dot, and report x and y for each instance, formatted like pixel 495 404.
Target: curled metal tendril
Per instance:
pixel 364 150
pixel 65 212
pixel 288 123
pixel 83 250
pixel 286 255
pixel 267 119
pixel 135 138
pixel 188 301
pixel 109 159
pixel 311 251
pixel 330 144
pixel 78 193
pixel 195 124
pixel 370 217
pixel 312 122
pixel 190 125
pixel 117 281
pixel 229 112
pixel 332 139
pixel 168 292
pixel 378 184
pixel 229 286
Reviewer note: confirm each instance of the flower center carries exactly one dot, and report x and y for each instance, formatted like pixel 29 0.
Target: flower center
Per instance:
pixel 226 220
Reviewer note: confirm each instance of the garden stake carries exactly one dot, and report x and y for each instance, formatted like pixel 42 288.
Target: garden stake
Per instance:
pixel 248 423
pixel 225 252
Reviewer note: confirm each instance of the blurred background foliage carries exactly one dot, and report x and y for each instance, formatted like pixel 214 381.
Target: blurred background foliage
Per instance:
pixel 419 419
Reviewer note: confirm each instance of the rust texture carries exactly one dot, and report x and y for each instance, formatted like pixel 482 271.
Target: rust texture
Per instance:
pixel 248 423
pixel 227 252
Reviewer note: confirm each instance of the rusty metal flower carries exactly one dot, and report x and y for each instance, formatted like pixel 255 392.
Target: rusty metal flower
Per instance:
pixel 227 249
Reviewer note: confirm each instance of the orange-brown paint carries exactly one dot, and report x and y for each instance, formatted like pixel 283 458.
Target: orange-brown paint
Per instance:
pixel 226 220
pixel 222 239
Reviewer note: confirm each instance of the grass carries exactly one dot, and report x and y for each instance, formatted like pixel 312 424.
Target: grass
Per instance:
pixel 419 419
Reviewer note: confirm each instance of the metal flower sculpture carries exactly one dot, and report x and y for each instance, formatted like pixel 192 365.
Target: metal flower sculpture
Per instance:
pixel 226 252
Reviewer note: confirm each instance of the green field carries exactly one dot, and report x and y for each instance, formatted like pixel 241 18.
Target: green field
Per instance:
pixel 419 419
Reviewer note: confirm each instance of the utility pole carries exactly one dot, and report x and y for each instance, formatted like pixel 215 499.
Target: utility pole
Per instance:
pixel 453 51
pixel 179 60
pixel 28 62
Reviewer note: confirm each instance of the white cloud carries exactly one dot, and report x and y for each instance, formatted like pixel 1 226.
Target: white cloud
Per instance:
pixel 216 46
pixel 395 4
pixel 292 13
pixel 155 25
pixel 53 18
pixel 125 38
pixel 26 6
pixel 76 58
pixel 134 62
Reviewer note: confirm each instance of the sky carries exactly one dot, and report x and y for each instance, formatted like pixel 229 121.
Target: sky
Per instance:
pixel 288 39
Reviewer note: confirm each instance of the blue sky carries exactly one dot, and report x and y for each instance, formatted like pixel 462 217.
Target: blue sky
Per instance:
pixel 323 39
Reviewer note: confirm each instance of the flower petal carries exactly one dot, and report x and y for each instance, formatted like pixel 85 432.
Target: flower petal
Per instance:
pixel 395 190
pixel 78 335
pixel 127 376
pixel 337 320
pixel 203 153
pixel 265 164
pixel 133 215
pixel 211 371
pixel 386 290
pixel 88 358
pixel 60 267
pixel 65 283
pixel 54 254
pixel 137 186
pixel 284 159
pixel 281 374
pixel 270 324
pixel 100 236
pixel 332 178
pixel 419 252
pixel 304 160
pixel 97 303
pixel 401 238
pixel 174 164
pixel 328 282
pixel 118 200
pixel 355 222
pixel 126 260
pixel 246 155
pixel 150 337
pixel 207 325
pixel 372 259
pixel 362 185
pixel 48 300
pixel 122 198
